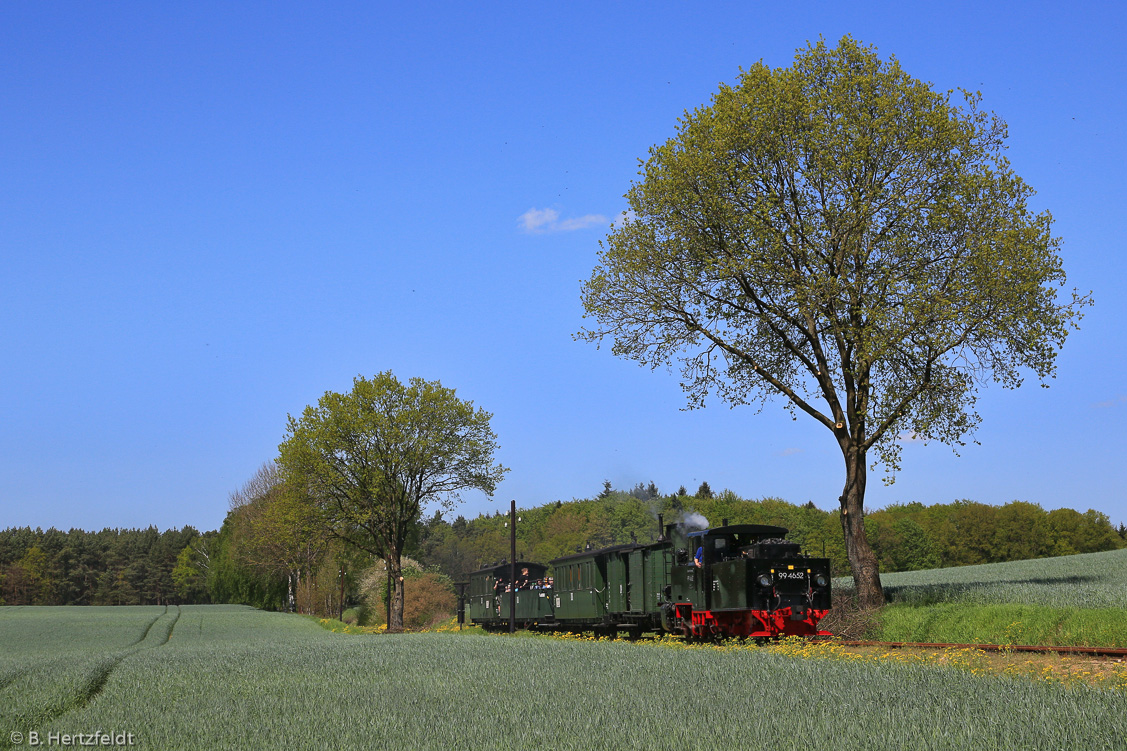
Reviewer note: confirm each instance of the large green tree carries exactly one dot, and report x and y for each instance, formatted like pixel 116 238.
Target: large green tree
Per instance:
pixel 372 458
pixel 838 234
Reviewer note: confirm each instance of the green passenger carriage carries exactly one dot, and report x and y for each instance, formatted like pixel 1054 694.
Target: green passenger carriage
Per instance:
pixel 488 595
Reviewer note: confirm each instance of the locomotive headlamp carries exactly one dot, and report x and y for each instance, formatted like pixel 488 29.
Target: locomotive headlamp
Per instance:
pixel 821 580
pixel 764 580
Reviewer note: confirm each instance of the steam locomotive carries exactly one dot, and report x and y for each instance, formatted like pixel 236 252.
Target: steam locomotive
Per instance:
pixel 739 580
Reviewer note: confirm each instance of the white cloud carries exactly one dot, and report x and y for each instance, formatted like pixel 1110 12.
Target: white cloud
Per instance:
pixel 1110 402
pixel 909 438
pixel 581 222
pixel 538 221
pixel 534 220
pixel 790 451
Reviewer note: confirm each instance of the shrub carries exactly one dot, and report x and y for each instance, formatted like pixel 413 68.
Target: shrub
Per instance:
pixel 848 620
pixel 429 598
pixel 357 616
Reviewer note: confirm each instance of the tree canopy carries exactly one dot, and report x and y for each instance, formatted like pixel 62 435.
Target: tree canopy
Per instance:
pixel 142 567
pixel 841 235
pixel 372 458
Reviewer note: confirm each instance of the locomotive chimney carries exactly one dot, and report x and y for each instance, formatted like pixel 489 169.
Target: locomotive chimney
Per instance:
pixel 660 527
pixel 724 523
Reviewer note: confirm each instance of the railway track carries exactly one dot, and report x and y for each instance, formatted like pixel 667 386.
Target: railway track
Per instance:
pixel 1079 651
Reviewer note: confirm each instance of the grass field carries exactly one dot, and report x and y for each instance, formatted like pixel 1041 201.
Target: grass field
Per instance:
pixel 223 677
pixel 56 660
pixel 1072 600
pixel 1089 581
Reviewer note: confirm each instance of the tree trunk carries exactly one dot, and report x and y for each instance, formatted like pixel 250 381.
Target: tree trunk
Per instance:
pixel 387 593
pixel 862 560
pixel 395 564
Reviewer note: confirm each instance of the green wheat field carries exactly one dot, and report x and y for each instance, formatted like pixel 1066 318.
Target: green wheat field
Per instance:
pixel 1076 600
pixel 230 677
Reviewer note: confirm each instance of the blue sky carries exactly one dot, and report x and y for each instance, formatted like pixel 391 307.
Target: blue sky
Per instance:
pixel 212 214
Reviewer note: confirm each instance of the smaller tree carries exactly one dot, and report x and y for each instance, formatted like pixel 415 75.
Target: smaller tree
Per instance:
pixel 681 491
pixel 282 532
pixel 372 458
pixel 189 577
pixel 704 491
pixel 36 565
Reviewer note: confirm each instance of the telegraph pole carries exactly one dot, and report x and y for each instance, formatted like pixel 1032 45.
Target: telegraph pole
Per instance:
pixel 513 567
pixel 342 593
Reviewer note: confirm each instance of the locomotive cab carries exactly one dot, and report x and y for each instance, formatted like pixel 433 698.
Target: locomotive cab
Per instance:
pixel 747 580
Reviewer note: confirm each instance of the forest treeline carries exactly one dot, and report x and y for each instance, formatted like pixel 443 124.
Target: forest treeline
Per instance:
pixel 905 537
pixel 240 563
pixel 111 567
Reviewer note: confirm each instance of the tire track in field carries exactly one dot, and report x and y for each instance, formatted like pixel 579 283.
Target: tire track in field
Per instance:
pixel 100 675
pixel 97 681
pixel 36 719
pixel 171 626
pixel 94 685
pixel 145 633
pixel 9 678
